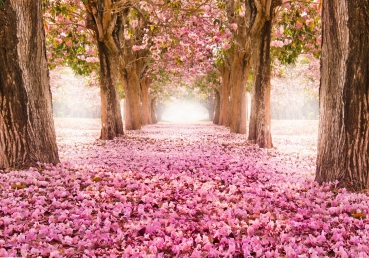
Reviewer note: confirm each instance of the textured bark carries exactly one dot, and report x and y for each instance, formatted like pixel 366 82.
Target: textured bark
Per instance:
pixel 133 118
pixel 344 117
pixel 108 27
pixel 145 99
pixel 217 108
pixel 239 73
pixel 259 128
pixel 224 95
pixel 111 117
pixel 153 108
pixel 27 133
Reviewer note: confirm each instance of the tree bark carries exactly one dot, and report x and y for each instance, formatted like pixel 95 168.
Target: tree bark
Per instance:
pixel 153 108
pixel 217 108
pixel 259 127
pixel 343 142
pixel 224 95
pixel 27 133
pixel 146 103
pixel 111 117
pixel 239 74
pixel 98 15
pixel 133 118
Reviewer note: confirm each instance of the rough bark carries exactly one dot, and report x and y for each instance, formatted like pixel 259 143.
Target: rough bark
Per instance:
pixel 133 118
pixel 260 124
pixel 224 95
pixel 239 73
pixel 111 117
pixel 217 108
pixel 343 142
pixel 257 13
pixel 27 133
pixel 108 27
pixel 145 99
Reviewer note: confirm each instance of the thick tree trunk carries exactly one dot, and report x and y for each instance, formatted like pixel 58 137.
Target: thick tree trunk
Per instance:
pixel 217 108
pixel 239 74
pixel 224 96
pixel 146 103
pixel 133 119
pixel 259 128
pixel 343 143
pixel 153 108
pixel 27 133
pixel 111 117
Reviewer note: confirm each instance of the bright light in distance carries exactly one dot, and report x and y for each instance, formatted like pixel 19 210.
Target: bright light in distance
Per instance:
pixel 185 111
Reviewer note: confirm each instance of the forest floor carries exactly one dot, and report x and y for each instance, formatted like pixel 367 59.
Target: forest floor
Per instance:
pixel 180 190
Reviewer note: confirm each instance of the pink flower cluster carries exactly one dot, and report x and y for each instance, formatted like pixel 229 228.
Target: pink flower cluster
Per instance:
pixel 177 191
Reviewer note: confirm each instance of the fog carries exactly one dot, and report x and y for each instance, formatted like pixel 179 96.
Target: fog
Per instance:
pixel 184 111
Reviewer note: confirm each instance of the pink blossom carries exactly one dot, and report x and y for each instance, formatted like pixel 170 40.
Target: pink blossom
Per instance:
pixel 226 46
pixel 234 26
pixel 134 23
pixel 136 48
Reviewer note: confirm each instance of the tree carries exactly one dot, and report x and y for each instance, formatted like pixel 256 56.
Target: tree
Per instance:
pixel 248 19
pixel 298 21
pixel 103 19
pixel 260 122
pixel 343 142
pixel 70 24
pixel 27 132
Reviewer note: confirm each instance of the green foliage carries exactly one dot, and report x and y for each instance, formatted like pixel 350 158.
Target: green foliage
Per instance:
pixel 121 92
pixel 300 26
pixel 68 41
pixel 1 2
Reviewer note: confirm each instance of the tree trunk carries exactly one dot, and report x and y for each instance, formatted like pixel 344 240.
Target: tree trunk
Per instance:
pixel 217 108
pixel 239 74
pixel 133 119
pixel 27 133
pixel 159 110
pixel 259 128
pixel 153 108
pixel 146 103
pixel 211 111
pixel 224 96
pixel 111 117
pixel 343 142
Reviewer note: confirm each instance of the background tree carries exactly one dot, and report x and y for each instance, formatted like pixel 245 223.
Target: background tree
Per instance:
pixel 71 24
pixel 299 25
pixel 27 132
pixel 343 144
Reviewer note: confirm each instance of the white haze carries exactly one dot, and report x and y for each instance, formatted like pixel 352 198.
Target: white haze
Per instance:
pixel 184 111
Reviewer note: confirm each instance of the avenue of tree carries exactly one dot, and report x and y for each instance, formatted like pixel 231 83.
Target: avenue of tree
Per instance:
pixel 216 47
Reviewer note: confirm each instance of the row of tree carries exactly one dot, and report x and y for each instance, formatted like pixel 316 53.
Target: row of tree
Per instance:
pixel 130 36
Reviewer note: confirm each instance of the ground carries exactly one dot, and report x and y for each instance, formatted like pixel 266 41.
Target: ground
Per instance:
pixel 180 190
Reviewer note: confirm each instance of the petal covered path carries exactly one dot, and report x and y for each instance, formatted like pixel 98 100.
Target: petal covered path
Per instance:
pixel 176 190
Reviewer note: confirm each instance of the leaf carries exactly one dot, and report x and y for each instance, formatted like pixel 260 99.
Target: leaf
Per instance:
pixel 358 215
pixel 142 231
pixel 19 186
pixel 96 179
